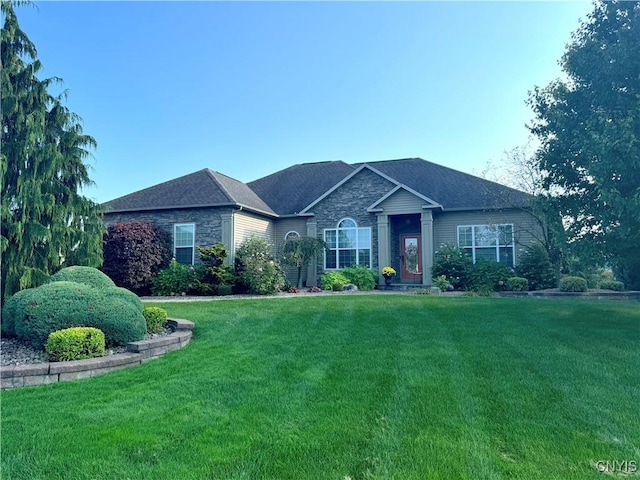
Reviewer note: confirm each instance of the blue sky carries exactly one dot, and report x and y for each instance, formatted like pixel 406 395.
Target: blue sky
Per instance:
pixel 249 88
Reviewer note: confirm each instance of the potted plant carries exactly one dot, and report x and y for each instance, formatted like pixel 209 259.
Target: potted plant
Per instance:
pixel 388 273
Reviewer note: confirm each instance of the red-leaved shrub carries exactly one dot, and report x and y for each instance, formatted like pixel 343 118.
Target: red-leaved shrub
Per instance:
pixel 135 251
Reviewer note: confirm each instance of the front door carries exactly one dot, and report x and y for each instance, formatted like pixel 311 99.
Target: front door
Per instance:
pixel 411 257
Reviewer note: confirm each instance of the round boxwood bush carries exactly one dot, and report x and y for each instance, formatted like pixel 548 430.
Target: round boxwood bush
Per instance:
pixel 11 310
pixel 127 296
pixel 612 285
pixel 75 343
pixel 84 275
pixel 517 284
pixel 156 318
pixel 59 305
pixel 573 284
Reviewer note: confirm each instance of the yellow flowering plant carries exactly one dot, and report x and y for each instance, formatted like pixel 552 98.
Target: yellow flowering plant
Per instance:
pixel 388 271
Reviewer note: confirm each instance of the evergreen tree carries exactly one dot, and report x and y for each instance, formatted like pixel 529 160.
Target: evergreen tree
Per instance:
pixel 45 222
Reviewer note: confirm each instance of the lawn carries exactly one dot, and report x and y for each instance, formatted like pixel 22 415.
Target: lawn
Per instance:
pixel 352 387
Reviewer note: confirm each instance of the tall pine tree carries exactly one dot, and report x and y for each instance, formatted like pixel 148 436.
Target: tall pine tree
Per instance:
pixel 46 223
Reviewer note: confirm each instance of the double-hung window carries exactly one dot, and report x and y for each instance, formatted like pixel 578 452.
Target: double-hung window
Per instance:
pixel 347 245
pixel 488 242
pixel 184 242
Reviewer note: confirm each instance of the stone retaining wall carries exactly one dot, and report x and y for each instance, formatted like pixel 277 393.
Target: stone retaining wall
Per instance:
pixel 137 353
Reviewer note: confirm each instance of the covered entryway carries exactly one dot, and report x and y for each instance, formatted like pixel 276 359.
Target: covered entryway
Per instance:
pixel 405 235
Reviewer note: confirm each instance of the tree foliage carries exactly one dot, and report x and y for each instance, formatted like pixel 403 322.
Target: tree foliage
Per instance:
pixel 45 222
pixel 588 126
pixel 134 252
pixel 300 252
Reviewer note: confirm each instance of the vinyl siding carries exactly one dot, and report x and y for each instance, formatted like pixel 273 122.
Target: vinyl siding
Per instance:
pixel 402 202
pixel 525 230
pixel 246 224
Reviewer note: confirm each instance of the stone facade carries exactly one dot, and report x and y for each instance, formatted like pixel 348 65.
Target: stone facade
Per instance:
pixel 351 200
pixel 208 222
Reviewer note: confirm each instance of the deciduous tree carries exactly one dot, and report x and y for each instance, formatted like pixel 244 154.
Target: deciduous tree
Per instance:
pixel 588 125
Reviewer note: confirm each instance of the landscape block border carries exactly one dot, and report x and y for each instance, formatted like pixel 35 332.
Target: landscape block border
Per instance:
pixel 33 374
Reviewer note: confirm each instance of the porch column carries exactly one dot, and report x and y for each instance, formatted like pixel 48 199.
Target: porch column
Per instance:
pixel 426 229
pixel 226 220
pixel 312 268
pixel 384 252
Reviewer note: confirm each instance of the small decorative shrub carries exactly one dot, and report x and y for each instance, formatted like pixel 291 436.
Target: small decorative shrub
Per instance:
pixel 331 278
pixel 454 264
pixel 224 290
pixel 156 317
pixel 213 271
pixel 176 279
pixel 362 277
pixel 487 276
pixel 536 267
pixel 517 284
pixel 293 290
pixel 314 289
pixel 442 283
pixel 573 284
pixel 612 285
pixel 84 275
pixel 75 343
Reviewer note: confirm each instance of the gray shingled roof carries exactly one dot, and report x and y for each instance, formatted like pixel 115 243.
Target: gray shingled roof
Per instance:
pixel 289 191
pixel 203 188
pixel 452 189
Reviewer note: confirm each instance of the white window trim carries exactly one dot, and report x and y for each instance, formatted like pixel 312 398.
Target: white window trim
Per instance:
pixel 337 249
pixel 497 246
pixel 290 232
pixel 193 246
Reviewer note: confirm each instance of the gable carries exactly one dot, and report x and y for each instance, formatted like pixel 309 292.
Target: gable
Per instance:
pixel 351 198
pixel 402 200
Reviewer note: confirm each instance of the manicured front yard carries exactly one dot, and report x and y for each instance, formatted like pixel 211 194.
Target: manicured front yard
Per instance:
pixel 338 387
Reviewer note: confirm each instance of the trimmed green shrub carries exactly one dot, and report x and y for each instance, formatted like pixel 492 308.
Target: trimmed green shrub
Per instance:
pixel 84 275
pixel 536 267
pixel 362 277
pixel 127 296
pixel 224 290
pixel 612 285
pixel 454 264
pixel 11 310
pixel 176 279
pixel 573 284
pixel 517 284
pixel 75 343
pixel 487 276
pixel 58 305
pixel 331 278
pixel 156 317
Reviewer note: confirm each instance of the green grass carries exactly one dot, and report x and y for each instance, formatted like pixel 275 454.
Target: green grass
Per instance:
pixel 335 387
